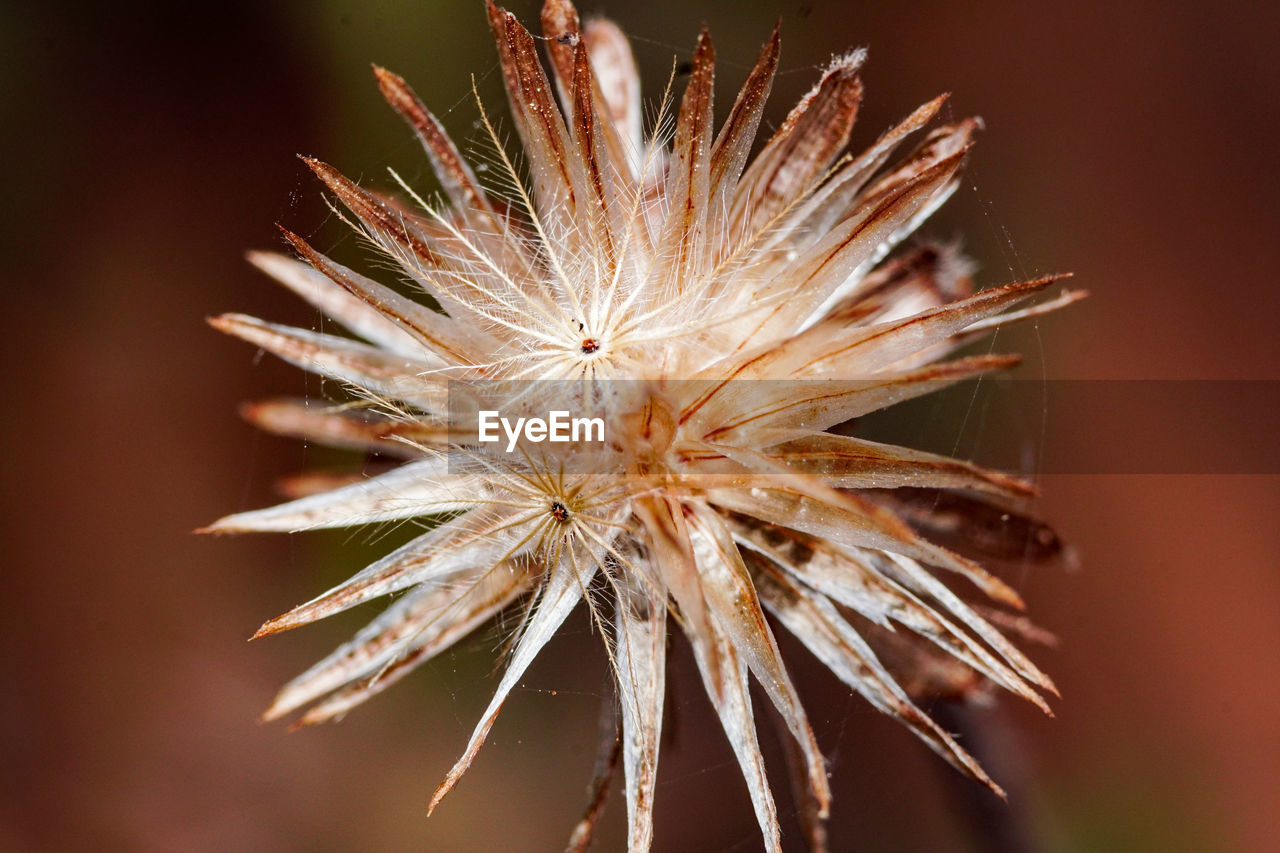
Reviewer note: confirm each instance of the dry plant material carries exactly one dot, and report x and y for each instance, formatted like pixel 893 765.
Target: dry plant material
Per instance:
pixel 730 311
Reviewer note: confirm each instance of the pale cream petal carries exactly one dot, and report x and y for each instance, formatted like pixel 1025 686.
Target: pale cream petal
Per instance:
pixel 615 69
pixel 732 597
pixel 384 221
pixel 561 591
pixel 742 411
pixel 358 365
pixel 455 175
pixel 845 518
pixel 680 251
pixel 854 578
pixel 448 340
pixel 834 200
pixel 478 539
pixel 846 462
pixel 926 277
pixel 914 575
pixel 336 302
pixel 841 347
pixel 557 178
pixel 733 143
pixel 817 623
pixel 357 429
pixel 802 148
pixel 417 488
pixel 640 651
pixel 851 248
pixel 724 675
pixel 421 650
pixel 426 621
pixel 941 144
pixel 666 534
pixel 603 211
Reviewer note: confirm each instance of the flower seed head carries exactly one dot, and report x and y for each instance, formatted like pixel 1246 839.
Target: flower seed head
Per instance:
pixel 723 313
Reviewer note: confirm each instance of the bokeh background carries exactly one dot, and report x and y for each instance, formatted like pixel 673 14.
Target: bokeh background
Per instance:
pixel 147 145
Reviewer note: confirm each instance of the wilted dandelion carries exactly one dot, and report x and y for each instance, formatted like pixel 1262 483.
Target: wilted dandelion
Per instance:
pixel 654 278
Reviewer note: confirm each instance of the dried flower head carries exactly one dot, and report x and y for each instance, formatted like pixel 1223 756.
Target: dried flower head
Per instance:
pixel 724 313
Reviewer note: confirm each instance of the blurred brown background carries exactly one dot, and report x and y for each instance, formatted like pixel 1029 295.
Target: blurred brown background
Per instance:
pixel 146 147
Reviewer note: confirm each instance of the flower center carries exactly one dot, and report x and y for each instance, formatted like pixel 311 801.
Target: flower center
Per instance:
pixel 559 511
pixel 589 346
